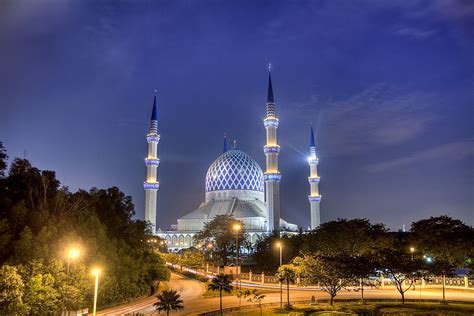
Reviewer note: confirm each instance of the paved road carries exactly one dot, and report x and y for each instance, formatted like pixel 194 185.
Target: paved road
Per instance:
pixel 192 290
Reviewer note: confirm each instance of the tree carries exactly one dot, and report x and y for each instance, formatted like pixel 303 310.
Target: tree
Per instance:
pixel 332 272
pixel 402 267
pixel 11 291
pixel 361 268
pixel 220 232
pixel 353 237
pixel 449 242
pixel 39 219
pixel 287 273
pixel 221 283
pixel 266 255
pixel 3 160
pixel 255 296
pixel 169 300
pixel 193 260
pixel 42 296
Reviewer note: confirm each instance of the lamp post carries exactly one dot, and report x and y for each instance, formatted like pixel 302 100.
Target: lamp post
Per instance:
pixel 72 254
pixel 279 245
pixel 96 273
pixel 237 228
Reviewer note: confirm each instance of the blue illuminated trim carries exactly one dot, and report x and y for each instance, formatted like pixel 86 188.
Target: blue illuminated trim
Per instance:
pixel 314 198
pixel 152 138
pixel 152 161
pixel 270 122
pixel 271 149
pixel 316 179
pixel 272 177
pixel 151 186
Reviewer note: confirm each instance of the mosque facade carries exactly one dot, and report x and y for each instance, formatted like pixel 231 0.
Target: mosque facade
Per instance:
pixel 235 185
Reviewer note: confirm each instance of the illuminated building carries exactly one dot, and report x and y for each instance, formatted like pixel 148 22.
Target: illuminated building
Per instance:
pixel 314 197
pixel 151 184
pixel 235 185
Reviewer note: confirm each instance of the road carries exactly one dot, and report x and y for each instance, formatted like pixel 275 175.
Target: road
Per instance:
pixel 192 290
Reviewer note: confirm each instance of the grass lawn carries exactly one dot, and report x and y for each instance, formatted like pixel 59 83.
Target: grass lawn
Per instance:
pixel 367 308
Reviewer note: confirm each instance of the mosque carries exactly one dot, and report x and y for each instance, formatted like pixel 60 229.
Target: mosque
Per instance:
pixel 235 185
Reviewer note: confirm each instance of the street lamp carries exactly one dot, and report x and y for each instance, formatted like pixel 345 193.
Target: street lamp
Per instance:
pixel 73 253
pixel 280 245
pixel 96 273
pixel 237 227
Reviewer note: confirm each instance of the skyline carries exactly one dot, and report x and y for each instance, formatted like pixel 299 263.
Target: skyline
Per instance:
pixel 387 90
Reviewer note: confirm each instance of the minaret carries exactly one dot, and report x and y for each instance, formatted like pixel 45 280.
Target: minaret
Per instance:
pixel 151 185
pixel 271 150
pixel 314 197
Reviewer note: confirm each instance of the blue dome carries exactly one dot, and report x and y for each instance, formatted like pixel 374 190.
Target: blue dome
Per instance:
pixel 234 170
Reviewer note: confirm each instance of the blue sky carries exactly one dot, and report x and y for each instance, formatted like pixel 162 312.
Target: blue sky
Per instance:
pixel 388 86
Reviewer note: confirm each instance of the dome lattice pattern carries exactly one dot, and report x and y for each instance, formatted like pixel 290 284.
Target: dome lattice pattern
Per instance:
pixel 234 170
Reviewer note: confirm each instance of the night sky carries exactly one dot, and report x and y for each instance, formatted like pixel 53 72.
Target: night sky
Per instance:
pixel 388 86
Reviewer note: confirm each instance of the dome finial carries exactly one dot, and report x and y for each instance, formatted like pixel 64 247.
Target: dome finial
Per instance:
pixel 235 145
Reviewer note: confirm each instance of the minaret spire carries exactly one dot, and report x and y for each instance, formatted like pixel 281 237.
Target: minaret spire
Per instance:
pixel 314 196
pixel 270 87
pixel 154 115
pixel 152 161
pixel 272 174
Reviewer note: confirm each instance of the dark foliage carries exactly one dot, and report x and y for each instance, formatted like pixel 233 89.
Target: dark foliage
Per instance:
pixel 39 220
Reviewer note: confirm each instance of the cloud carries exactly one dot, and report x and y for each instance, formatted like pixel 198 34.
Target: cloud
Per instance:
pixel 451 151
pixel 376 117
pixel 415 33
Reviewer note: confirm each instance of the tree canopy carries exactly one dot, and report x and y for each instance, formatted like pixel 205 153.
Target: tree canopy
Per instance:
pixel 221 234
pixel 40 220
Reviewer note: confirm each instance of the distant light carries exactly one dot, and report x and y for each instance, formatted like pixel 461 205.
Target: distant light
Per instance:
pixel 237 227
pixel 412 249
pixel 429 259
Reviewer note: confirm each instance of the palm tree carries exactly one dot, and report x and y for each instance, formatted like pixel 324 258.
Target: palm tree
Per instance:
pixel 287 272
pixel 168 300
pixel 221 283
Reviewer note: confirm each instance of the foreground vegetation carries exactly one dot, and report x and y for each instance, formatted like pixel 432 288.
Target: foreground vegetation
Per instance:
pixel 40 221
pixel 366 308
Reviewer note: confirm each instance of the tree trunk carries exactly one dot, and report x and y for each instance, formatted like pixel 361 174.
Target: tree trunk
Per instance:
pixel 288 292
pixel 332 299
pixel 403 297
pixel 220 299
pixel 444 282
pixel 362 288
